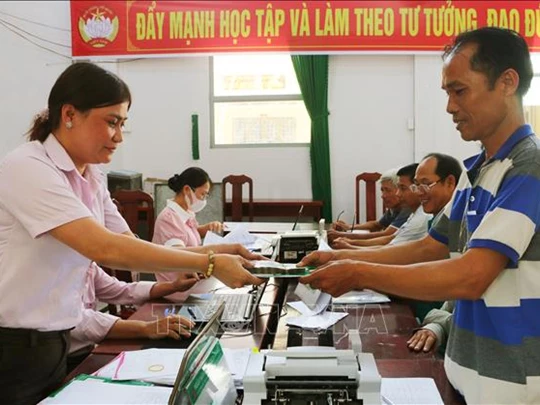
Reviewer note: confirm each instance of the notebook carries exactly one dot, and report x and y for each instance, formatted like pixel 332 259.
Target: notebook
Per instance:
pixel 239 312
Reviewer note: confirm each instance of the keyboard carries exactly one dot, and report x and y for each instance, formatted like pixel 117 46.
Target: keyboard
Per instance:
pixel 238 307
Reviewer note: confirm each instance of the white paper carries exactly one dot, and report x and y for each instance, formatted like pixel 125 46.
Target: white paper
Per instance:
pixel 97 392
pixel 361 297
pixel 212 238
pixel 241 235
pixel 413 391
pixel 237 361
pixel 149 363
pixel 324 246
pixel 315 300
pixel 138 362
pixel 321 321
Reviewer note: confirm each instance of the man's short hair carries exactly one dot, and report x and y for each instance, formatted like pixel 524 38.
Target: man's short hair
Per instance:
pixel 391 176
pixel 408 171
pixel 498 49
pixel 446 165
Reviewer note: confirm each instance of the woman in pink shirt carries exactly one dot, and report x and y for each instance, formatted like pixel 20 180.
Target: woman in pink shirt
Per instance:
pixel 176 225
pixel 56 217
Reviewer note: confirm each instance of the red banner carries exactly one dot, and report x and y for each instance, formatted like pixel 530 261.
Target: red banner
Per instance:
pixel 138 28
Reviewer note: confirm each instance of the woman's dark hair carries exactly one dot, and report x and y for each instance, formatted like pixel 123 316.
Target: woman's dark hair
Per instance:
pixel 83 85
pixel 193 177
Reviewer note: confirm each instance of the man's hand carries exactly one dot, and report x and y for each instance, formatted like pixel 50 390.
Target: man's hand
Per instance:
pixel 335 278
pixel 340 226
pixel 342 243
pixel 185 281
pixel 333 235
pixel 173 326
pixel 424 340
pixel 317 258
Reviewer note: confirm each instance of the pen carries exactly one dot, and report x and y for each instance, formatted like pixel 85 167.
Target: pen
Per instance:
pixel 191 312
pixel 353 221
pixel 386 400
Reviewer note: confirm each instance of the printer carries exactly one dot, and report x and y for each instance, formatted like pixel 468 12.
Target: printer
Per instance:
pixel 314 377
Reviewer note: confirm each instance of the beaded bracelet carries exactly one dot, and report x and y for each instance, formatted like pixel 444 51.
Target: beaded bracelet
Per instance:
pixel 210 270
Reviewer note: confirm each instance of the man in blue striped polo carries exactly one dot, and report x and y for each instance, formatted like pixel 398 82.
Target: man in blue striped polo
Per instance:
pixel 484 252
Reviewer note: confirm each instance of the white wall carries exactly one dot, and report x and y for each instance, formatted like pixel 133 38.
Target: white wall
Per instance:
pixel 27 72
pixel 373 101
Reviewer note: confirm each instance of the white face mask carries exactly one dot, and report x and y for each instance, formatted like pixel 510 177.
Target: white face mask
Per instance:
pixel 196 204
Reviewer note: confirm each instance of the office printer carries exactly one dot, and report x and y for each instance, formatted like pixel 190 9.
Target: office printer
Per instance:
pixel 314 377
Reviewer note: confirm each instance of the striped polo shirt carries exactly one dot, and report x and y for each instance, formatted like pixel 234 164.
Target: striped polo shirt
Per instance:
pixel 493 352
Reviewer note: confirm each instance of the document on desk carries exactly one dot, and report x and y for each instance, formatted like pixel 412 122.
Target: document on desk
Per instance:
pixel 321 321
pixel 101 392
pixel 413 391
pixel 159 366
pixel 361 297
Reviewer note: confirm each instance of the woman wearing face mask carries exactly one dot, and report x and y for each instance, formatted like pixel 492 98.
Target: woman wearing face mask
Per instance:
pixel 176 225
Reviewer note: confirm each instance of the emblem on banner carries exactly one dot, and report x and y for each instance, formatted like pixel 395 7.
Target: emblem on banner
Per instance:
pixel 98 26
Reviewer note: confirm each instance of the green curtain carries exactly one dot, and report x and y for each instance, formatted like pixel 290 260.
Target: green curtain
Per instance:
pixel 312 74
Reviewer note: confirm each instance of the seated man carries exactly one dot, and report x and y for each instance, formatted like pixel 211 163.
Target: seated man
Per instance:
pixel 435 329
pixel 434 183
pixel 414 228
pixel 392 219
pixel 96 326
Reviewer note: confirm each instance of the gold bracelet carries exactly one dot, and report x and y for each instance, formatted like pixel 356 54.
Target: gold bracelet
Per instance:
pixel 211 258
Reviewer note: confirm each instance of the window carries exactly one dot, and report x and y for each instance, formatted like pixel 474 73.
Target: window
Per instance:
pixel 256 100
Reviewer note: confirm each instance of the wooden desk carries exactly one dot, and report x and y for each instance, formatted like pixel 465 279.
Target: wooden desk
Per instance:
pixel 259 335
pixel 280 208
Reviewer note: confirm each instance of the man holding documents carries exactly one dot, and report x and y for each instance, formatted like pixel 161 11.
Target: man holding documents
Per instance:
pixel 490 231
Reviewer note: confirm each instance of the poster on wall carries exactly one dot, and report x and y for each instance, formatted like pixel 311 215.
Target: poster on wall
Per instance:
pixel 128 29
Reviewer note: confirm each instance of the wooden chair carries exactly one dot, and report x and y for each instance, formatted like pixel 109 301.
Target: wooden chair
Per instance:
pixel 237 183
pixel 371 192
pixel 137 208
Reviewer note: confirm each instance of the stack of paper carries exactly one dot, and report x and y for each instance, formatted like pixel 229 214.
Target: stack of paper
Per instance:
pixel 97 391
pixel 161 366
pixel 413 391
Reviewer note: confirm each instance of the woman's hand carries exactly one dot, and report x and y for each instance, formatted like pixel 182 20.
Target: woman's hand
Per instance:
pixel 215 226
pixel 231 271
pixel 173 326
pixel 185 281
pixel 246 254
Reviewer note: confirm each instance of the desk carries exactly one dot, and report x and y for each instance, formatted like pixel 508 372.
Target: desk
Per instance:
pixel 279 208
pixel 384 330
pixel 393 359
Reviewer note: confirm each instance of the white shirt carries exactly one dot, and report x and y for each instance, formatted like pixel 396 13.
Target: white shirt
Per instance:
pixel 42 279
pixel 416 227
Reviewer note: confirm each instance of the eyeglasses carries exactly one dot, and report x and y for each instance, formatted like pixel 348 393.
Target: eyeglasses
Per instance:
pixel 423 188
